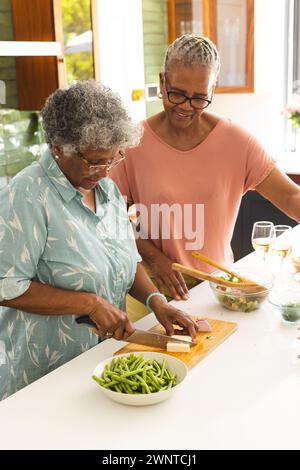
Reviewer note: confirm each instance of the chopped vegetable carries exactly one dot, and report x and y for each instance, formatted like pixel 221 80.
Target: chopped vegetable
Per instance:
pixel 134 375
pixel 291 312
pixel 204 326
pixel 178 347
pixel 182 337
pixel 235 299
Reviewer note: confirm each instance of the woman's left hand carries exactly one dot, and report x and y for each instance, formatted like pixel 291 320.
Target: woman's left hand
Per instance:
pixel 168 316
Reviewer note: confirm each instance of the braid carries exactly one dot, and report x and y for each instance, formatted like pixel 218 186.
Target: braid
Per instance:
pixel 191 49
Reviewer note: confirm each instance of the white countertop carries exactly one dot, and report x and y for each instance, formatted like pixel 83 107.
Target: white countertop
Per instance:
pixel 244 395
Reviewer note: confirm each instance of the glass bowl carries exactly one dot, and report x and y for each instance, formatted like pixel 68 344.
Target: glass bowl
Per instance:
pixel 238 300
pixel 287 302
pixel 174 366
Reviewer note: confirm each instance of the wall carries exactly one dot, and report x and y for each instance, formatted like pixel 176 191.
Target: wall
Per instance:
pixel 260 112
pixel 121 50
pixel 8 64
pixel 155 27
pixel 133 36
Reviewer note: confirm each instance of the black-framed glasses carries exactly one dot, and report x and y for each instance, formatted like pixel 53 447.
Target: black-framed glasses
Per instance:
pixel 175 97
pixel 102 166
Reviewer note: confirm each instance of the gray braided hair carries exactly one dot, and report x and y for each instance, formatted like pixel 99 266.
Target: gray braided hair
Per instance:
pixel 88 114
pixel 193 50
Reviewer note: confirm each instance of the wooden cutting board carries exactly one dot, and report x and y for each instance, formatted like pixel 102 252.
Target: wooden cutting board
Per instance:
pixel 206 342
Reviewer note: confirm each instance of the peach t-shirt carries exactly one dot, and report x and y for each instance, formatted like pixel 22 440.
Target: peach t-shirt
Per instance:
pixel 202 186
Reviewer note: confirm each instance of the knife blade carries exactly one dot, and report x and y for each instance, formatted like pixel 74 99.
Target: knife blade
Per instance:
pixel 156 340
pixel 146 338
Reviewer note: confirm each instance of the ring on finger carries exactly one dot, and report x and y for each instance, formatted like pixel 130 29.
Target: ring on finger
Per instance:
pixel 104 334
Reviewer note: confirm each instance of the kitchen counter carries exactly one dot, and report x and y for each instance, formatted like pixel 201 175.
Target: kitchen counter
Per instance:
pixel 244 395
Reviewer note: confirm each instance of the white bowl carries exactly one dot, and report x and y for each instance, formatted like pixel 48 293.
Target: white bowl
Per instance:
pixel 172 363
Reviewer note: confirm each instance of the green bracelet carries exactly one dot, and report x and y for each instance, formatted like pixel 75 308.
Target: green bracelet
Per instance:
pixel 159 294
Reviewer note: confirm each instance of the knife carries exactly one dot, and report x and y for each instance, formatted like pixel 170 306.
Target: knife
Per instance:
pixel 146 338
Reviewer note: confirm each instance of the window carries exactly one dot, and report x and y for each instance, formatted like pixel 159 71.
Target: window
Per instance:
pixel 293 70
pixel 78 39
pixel 296 48
pixel 230 25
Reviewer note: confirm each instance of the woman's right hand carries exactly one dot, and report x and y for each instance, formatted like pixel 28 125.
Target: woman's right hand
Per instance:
pixel 110 320
pixel 164 277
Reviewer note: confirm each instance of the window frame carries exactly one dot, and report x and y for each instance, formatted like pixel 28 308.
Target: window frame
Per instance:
pixel 296 46
pixel 292 82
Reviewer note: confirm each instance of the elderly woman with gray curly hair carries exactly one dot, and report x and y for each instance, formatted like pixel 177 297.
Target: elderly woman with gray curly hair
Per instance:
pixel 67 246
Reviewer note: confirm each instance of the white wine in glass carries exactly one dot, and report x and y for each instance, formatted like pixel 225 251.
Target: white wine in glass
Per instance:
pixel 281 249
pixel 262 237
pixel 282 245
pixel 261 244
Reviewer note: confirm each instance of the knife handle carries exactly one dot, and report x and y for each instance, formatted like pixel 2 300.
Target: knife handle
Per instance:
pixel 85 319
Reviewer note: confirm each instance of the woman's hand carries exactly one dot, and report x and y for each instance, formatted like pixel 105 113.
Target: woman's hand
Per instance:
pixel 164 277
pixel 110 320
pixel 168 316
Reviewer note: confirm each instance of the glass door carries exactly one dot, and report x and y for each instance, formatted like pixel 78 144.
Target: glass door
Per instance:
pixel 78 39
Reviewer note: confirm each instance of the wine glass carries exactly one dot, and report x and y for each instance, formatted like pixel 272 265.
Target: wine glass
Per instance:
pixel 282 246
pixel 262 237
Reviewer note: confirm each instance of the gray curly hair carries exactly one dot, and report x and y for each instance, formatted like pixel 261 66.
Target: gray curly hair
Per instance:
pixel 190 49
pixel 88 115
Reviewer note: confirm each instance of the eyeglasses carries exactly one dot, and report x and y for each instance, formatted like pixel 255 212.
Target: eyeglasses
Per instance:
pixel 102 166
pixel 180 98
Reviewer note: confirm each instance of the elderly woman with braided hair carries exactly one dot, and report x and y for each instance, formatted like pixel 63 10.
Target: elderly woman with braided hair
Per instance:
pixel 67 247
pixel 199 165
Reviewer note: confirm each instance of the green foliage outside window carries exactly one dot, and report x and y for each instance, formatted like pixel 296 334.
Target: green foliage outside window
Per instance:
pixel 77 20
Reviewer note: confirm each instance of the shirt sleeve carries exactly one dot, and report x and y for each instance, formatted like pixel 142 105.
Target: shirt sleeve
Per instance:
pixel 23 235
pixel 120 177
pixel 259 164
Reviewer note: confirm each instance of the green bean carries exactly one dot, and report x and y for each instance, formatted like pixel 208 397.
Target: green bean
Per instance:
pixel 161 381
pixel 163 368
pixel 157 366
pixel 105 376
pixel 99 380
pixel 118 388
pixel 126 367
pixel 127 388
pixel 133 372
pixel 135 375
pixel 154 379
pixel 144 384
pixel 145 370
pixel 136 361
pixel 131 358
pixel 110 384
pixel 121 378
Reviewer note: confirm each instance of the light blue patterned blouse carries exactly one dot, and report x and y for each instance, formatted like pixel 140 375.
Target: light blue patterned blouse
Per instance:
pixel 47 234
